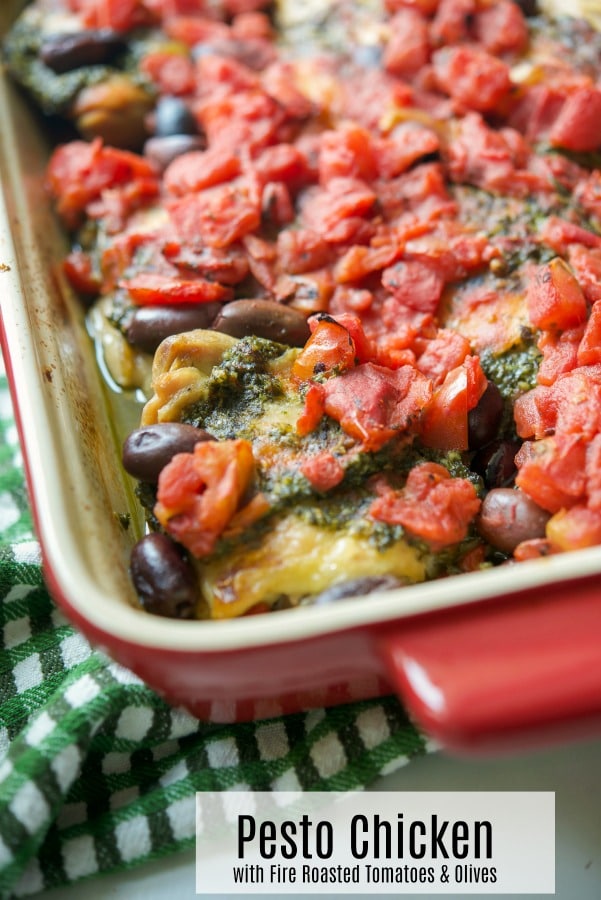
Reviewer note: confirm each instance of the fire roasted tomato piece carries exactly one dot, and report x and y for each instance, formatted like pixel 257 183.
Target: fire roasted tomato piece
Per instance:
pixel 324 471
pixel 151 289
pixel 432 505
pixel 219 216
pixel 552 471
pixel 574 528
pixel 330 348
pixel 472 76
pixel 200 493
pixel 555 299
pixel 374 404
pixel 79 172
pixel 445 420
pixel 200 169
pixel 578 125
pixel 122 15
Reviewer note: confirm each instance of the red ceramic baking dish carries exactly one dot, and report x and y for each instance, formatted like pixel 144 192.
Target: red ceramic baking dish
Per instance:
pixel 484 660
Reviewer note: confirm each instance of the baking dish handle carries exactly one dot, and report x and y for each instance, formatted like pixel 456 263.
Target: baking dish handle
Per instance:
pixel 507 673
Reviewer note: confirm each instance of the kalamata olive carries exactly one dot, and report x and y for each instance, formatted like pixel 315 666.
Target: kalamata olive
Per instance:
pixel 149 325
pixel 147 450
pixel 508 517
pixel 163 578
pixel 163 150
pixel 70 50
pixel 356 587
pixel 483 421
pixel 263 318
pixel 496 463
pixel 173 116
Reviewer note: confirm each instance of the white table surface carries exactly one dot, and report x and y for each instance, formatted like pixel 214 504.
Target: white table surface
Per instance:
pixel 573 772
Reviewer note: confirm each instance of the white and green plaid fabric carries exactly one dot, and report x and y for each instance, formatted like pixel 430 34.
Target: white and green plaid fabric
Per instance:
pixel 97 773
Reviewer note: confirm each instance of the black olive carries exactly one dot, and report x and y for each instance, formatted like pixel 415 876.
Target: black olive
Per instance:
pixel 173 116
pixel 483 421
pixel 163 578
pixel 496 463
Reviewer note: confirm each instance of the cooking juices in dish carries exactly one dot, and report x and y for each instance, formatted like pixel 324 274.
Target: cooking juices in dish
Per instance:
pixel 354 271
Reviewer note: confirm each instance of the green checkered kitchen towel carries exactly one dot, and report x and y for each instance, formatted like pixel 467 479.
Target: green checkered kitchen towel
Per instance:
pixel 97 773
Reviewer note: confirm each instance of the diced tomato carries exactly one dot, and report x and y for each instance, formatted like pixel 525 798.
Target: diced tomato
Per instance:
pixel 194 29
pixel 432 506
pixel 80 272
pixel 535 413
pixel 229 266
pixel 200 492
pixel 364 348
pixel 116 204
pixel 152 289
pixel 587 194
pixel 589 351
pixel 572 404
pixel 445 421
pixel 313 411
pixel 578 125
pixel 473 77
pixel 408 47
pixel 593 473
pixel 330 348
pixel 365 97
pixel 252 24
pixel 575 528
pixel 484 157
pixel 237 7
pixel 551 471
pixel 555 299
pixel 442 353
pixel 248 118
pixel 422 190
pixel 324 471
pixel 333 211
pixel 122 15
pixel 415 284
pixel 78 173
pixel 501 27
pixel 404 146
pixel 561 234
pixel 283 162
pixel 200 169
pixel 374 404
pixel 119 254
pixel 218 216
pixel 535 548
pixel 536 109
pixel 301 250
pixel 360 261
pixel 452 22
pixel 560 353
pixel 162 10
pixel 587 267
pixel 426 7
pixel 346 152
pixel 578 405
pixel 171 73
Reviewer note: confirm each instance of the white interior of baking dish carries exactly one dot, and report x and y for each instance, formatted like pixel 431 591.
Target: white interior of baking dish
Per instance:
pixel 71 427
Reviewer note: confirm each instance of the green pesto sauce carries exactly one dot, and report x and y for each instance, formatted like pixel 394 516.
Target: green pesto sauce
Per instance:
pixel 238 390
pixel 514 372
pixel 54 92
